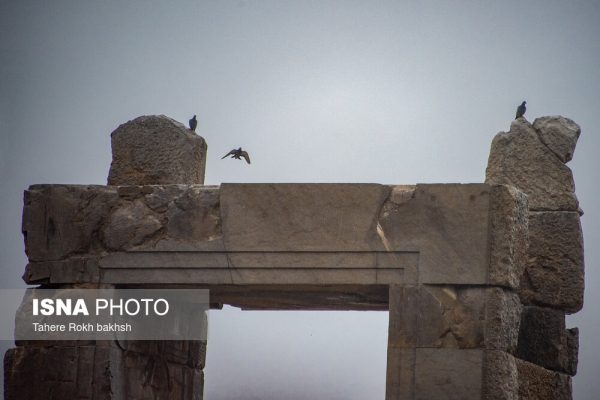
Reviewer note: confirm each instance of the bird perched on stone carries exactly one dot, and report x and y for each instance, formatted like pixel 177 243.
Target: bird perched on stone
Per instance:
pixel 521 110
pixel 238 154
pixel 193 124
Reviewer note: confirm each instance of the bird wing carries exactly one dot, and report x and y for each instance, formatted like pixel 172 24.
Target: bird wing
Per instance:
pixel 228 154
pixel 246 156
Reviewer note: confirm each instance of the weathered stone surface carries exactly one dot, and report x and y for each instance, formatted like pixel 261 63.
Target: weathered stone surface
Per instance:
pixel 508 236
pixel 213 269
pixel 543 340
pixel 424 222
pixel 130 225
pixel 129 370
pixel 448 374
pixel 402 340
pixel 453 317
pixel 193 206
pixel 432 233
pixel 156 150
pixel 560 134
pixel 537 383
pixel 425 373
pixel 59 220
pixel 554 275
pixel 301 217
pixel 503 318
pixel 520 159
pixel 190 217
pixel 500 377
pixel 404 310
pixel 62 221
pixel 67 372
pixel 166 369
pixel 72 270
pixel 400 377
pixel 572 350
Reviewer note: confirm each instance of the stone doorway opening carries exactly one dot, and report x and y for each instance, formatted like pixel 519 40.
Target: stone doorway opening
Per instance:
pixel 296 354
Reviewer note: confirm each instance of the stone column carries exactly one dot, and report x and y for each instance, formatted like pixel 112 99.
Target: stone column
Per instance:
pixel 532 158
pixel 148 150
pixel 156 150
pixel 452 334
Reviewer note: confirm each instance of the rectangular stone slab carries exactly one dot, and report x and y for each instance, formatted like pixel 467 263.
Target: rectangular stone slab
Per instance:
pixel 449 374
pixel 274 234
pixel 448 224
pixel 301 217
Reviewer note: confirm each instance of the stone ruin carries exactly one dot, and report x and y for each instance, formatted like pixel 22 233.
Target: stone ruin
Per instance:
pixel 477 278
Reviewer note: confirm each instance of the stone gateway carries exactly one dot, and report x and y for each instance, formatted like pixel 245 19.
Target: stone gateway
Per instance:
pixel 477 278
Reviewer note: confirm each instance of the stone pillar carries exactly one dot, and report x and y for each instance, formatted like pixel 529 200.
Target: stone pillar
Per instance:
pixel 148 150
pixel 532 158
pixel 111 370
pixel 156 150
pixel 456 340
pixel 447 342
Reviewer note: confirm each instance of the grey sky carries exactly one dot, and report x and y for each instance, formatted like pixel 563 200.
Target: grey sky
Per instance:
pixel 316 91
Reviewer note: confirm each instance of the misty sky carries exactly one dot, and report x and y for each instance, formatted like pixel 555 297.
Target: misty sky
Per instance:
pixel 316 91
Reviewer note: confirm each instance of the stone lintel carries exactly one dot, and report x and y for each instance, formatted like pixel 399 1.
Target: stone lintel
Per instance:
pixel 302 297
pixel 449 225
pixel 274 234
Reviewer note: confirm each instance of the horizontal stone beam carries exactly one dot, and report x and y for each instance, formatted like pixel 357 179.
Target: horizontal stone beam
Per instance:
pixel 275 234
pixel 302 297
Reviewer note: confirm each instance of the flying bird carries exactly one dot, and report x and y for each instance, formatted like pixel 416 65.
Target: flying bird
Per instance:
pixel 193 124
pixel 238 154
pixel 521 110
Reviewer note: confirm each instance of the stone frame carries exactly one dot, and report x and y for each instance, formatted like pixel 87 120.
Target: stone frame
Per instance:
pixel 444 260
pixel 477 278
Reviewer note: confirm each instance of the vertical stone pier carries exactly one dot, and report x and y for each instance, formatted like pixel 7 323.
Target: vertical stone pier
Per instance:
pixel 532 158
pixel 453 329
pixel 149 150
